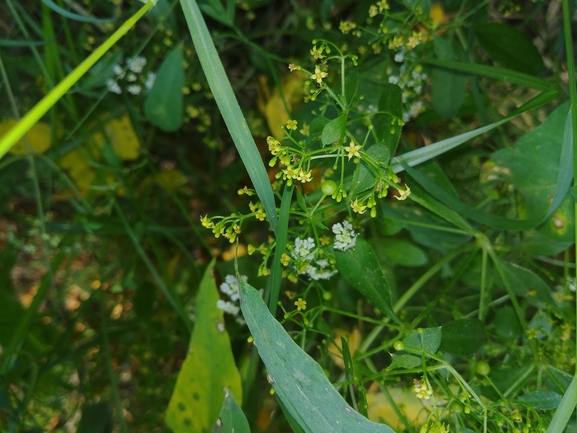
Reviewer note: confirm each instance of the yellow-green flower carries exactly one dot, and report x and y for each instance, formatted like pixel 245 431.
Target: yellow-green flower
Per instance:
pixel 293 67
pixel 285 259
pixel 319 75
pixel 373 11
pixel 301 304
pixel 353 150
pixel 383 5
pixel 422 390
pixel 292 124
pixel 358 207
pixel 404 194
pixel 317 53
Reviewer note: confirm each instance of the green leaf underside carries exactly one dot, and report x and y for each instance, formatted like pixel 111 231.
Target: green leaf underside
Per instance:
pixel 462 337
pixel 164 103
pixel 231 417
pixel 207 369
pixel 428 340
pixel 448 87
pixel 333 130
pixel 229 108
pixel 361 269
pixel 541 400
pixel 298 380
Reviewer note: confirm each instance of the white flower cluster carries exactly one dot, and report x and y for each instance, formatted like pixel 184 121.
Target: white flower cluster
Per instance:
pixel 411 83
pixel 134 66
pixel 345 236
pixel 308 260
pixel 231 288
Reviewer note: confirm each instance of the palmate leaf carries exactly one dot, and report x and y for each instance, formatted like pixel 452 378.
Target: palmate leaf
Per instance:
pixel 298 380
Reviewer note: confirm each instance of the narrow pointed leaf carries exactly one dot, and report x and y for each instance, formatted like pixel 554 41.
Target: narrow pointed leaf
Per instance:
pixel 229 107
pixel 231 418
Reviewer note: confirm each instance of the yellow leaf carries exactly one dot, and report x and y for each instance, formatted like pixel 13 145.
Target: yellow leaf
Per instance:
pixel 353 338
pixel 80 171
pixel 274 109
pixel 38 136
pixel 406 401
pixel 123 138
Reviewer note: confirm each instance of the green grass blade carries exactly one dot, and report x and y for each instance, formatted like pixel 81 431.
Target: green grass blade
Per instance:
pixel 426 153
pixel 42 107
pixel 565 409
pixel 493 72
pixel 73 16
pixel 229 107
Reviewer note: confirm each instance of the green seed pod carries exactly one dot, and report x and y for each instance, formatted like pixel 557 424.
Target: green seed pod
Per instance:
pixel 399 345
pixel 329 187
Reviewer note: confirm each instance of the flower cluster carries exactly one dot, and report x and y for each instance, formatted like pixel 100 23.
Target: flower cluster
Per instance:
pixel 231 288
pixel 345 236
pixel 309 260
pixel 130 75
pixel 411 80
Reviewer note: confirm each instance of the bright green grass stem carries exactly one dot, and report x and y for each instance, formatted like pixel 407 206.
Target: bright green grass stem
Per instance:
pixel 46 103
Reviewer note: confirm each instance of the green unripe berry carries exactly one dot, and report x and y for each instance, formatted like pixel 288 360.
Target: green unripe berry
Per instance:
pixel 329 187
pixel 399 345
pixel 482 368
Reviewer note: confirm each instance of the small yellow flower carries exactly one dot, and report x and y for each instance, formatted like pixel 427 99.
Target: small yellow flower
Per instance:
pixel 305 130
pixel 317 53
pixel 422 390
pixel 292 67
pixel 206 222
pixel 292 124
pixel 346 26
pixel 358 207
pixel 274 146
pixel 413 41
pixel 301 304
pixel 353 150
pixel 403 194
pixel 324 240
pixel 373 11
pixel 383 5
pixel 396 42
pixel 285 259
pixel 319 75
pixel 260 214
pixel 251 249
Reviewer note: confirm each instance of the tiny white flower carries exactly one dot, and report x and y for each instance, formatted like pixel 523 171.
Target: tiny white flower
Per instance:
pixel 149 82
pixel 345 236
pixel 227 307
pixel 113 86
pixel 134 89
pixel 135 64
pixel 131 77
pixel 399 57
pixel 393 79
pixel 304 249
pixel 119 71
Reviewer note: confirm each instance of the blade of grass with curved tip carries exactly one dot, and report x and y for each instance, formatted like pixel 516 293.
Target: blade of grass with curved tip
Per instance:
pixel 229 107
pixel 73 16
pixel 565 409
pixel 298 380
pixel 426 153
pixel 34 115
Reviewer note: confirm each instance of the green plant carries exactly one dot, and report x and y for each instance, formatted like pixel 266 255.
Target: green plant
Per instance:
pixel 449 265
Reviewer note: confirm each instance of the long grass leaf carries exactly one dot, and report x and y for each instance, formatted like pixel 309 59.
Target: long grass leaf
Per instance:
pixel 42 107
pixel 229 107
pixel 73 16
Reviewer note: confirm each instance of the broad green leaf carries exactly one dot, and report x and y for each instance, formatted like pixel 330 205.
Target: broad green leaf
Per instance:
pixel 388 122
pixel 381 153
pixel 96 418
pixel 427 340
pixel 508 380
pixel 229 108
pixel 208 367
pixel 462 337
pixel 334 130
pixel 164 103
pixel 541 400
pixel 361 269
pixel 351 84
pixel 298 380
pixel 509 47
pixel 231 418
pixel 404 253
pixel 527 284
pixel 565 409
pixel 532 166
pixel 448 87
pixel 507 323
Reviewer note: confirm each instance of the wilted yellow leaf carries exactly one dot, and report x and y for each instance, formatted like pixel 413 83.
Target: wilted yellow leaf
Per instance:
pixel 353 338
pixel 38 137
pixel 406 401
pixel 123 138
pixel 80 171
pixel 273 107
